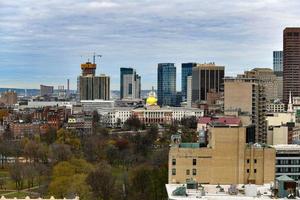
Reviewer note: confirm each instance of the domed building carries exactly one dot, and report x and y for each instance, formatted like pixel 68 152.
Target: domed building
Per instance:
pixel 151 100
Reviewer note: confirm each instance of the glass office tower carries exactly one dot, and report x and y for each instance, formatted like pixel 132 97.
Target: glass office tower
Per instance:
pixel 186 70
pixel 166 84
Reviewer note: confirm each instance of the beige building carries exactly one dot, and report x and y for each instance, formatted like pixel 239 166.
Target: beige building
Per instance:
pixel 227 159
pixel 246 96
pixel 8 98
pixel 273 84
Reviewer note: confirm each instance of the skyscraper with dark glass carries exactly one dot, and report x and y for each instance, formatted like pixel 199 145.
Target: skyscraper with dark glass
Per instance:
pixel 186 70
pixel 207 78
pixel 166 84
pixel 130 84
pixel 291 63
pixel 277 61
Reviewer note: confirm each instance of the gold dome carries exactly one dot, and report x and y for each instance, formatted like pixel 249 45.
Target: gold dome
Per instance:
pixel 151 101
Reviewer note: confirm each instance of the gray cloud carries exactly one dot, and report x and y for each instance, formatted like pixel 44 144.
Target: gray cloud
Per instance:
pixel 42 36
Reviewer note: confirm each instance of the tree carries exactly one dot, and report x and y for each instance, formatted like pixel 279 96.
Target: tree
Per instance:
pixel 17 174
pixel 50 136
pixel 133 123
pixel 68 179
pixel 141 183
pixel 2 183
pixel 60 152
pixel 102 182
pixel 29 174
pixel 66 137
pixel 189 122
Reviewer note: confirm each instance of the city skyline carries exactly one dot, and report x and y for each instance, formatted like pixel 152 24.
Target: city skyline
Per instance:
pixel 45 42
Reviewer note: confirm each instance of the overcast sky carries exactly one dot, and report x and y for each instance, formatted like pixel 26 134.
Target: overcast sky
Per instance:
pixel 44 41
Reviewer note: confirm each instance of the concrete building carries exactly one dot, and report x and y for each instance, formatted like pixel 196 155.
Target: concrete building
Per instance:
pixel 275 107
pixel 288 161
pixel 291 62
pixel 166 84
pixel 247 96
pixel 8 98
pixel 186 71
pixel 189 92
pixel 206 78
pixel 46 90
pixel 94 87
pixel 278 61
pixel 278 119
pixel 267 78
pixel 226 159
pixel 130 84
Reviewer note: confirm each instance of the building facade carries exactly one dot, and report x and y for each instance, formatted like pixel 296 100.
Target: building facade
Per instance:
pixel 267 78
pixel 189 92
pixel 166 84
pixel 206 78
pixel 277 61
pixel 9 98
pixel 46 90
pixel 186 71
pixel 247 95
pixel 288 161
pixel 91 87
pixel 130 84
pixel 291 63
pixel 226 159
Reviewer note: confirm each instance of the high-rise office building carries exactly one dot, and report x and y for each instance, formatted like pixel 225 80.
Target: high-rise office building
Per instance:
pixel 46 90
pixel 206 78
pixel 277 61
pixel 91 87
pixel 166 84
pixel 291 63
pixel 246 96
pixel 130 84
pixel 186 70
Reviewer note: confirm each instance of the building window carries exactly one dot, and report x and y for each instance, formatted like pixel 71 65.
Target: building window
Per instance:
pixel 248 170
pixel 173 172
pixel 254 170
pixel 187 172
pixel 255 161
pixel 194 162
pixel 173 161
pixel 248 161
pixel 194 172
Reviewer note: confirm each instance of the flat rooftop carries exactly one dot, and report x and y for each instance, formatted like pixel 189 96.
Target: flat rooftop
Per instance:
pixel 212 192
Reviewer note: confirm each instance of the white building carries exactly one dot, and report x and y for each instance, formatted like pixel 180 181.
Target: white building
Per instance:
pixel 189 92
pixel 275 107
pixel 288 161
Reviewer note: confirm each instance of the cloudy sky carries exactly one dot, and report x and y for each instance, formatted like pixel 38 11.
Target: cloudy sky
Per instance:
pixel 44 41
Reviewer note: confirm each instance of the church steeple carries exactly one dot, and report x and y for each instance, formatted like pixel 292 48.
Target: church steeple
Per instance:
pixel 290 105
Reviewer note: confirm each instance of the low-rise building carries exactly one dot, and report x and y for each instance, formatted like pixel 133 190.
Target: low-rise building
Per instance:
pixel 225 159
pixel 288 161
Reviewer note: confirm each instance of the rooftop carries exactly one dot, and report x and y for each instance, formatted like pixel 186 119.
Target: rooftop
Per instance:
pixel 213 192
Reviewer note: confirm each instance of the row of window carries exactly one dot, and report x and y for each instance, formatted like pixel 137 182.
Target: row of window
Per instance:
pixel 287 162
pixel 194 172
pixel 248 171
pixel 248 161
pixel 288 169
pixel 194 162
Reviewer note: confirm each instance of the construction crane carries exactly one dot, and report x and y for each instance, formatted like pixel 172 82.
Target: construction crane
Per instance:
pixel 94 57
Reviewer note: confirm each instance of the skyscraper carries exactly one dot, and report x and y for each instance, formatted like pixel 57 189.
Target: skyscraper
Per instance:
pixel 166 84
pixel 91 87
pixel 277 61
pixel 291 63
pixel 206 78
pixel 186 70
pixel 130 84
